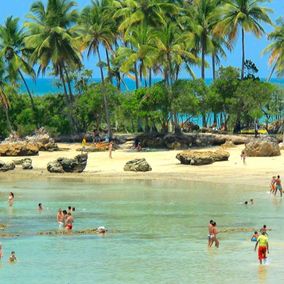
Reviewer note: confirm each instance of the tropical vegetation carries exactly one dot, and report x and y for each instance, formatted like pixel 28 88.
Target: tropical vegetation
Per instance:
pixel 139 40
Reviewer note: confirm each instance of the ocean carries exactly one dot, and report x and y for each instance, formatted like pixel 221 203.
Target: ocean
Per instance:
pixel 44 86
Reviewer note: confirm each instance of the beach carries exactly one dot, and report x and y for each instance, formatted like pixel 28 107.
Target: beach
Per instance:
pixel 257 171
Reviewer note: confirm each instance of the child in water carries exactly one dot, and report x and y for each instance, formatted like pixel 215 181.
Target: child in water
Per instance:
pixel 12 257
pixel 254 236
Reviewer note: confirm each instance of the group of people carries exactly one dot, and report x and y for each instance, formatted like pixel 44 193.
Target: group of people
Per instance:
pixel 65 218
pixel 276 185
pixel 212 234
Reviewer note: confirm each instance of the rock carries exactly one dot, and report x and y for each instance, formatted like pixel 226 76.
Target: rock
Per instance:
pixel 27 164
pixel 197 158
pixel 76 165
pixel 266 147
pixel 281 146
pixel 18 149
pixel 55 167
pixel 21 161
pixel 137 165
pixel 228 144
pixel 8 166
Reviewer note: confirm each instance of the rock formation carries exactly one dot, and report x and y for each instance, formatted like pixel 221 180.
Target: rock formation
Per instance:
pixel 8 166
pixel 198 158
pixel 61 165
pixel 263 147
pixel 137 165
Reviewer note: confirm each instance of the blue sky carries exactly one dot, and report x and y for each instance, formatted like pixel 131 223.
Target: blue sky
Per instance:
pixel 254 46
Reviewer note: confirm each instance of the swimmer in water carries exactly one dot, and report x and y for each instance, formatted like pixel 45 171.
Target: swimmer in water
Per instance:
pixel 69 222
pixel 273 185
pixel 1 251
pixel 278 186
pixel 11 199
pixel 40 208
pixel 254 236
pixel 210 232
pixel 214 233
pixel 12 257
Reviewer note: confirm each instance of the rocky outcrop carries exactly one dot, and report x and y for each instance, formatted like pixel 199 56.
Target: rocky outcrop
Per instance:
pixel 263 147
pixel 185 141
pixel 18 149
pixel 42 139
pixel 198 158
pixel 61 165
pixel 8 166
pixel 137 165
pixel 228 144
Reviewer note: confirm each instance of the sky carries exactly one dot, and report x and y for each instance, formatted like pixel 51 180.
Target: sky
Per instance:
pixel 254 46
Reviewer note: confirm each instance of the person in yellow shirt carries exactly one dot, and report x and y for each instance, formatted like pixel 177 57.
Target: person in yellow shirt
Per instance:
pixel 84 143
pixel 262 243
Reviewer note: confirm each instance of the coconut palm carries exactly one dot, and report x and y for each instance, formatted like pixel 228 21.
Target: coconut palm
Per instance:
pixel 52 40
pixel 244 15
pixel 4 100
pixel 276 49
pixel 13 50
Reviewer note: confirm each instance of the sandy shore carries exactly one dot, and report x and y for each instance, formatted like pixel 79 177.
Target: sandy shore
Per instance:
pixel 257 171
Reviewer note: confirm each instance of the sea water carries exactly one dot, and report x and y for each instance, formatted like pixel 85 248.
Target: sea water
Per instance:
pixel 157 232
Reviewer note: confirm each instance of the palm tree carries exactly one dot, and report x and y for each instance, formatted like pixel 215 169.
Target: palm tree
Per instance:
pixel 245 15
pixel 13 49
pixel 4 100
pixel 276 49
pixel 96 29
pixel 52 39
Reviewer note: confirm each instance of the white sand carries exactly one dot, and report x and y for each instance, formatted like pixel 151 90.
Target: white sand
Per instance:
pixel 257 171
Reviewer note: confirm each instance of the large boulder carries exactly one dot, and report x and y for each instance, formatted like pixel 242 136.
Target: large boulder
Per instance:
pixel 76 165
pixel 18 149
pixel 266 147
pixel 137 165
pixel 27 164
pixel 8 166
pixel 198 158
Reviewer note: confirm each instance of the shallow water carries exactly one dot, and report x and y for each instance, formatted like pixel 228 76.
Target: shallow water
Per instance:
pixel 158 233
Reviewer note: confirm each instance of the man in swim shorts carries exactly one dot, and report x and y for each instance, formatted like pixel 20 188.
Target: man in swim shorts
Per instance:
pixel 60 218
pixel 278 185
pixel 210 232
pixel 262 243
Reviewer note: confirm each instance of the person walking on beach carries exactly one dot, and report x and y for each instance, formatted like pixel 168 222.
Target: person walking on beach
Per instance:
pixel 84 143
pixel 210 232
pixel 11 199
pixel 263 248
pixel 278 186
pixel 110 145
pixel 243 156
pixel 273 185
pixel 69 222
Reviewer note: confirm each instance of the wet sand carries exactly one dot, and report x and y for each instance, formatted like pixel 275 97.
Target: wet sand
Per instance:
pixel 165 166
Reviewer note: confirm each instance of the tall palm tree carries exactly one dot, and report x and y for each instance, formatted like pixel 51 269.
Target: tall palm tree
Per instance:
pixel 52 40
pixel 4 100
pixel 96 29
pixel 13 49
pixel 244 15
pixel 276 49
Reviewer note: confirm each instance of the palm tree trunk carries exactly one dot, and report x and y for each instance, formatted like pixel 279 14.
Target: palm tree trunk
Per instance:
pixel 104 96
pixel 136 76
pixel 203 60
pixel 243 54
pixel 150 77
pixel 9 125
pixel 108 65
pixel 272 71
pixel 71 97
pixel 213 67
pixel 28 90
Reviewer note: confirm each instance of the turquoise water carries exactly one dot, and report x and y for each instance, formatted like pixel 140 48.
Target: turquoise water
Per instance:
pixel 157 233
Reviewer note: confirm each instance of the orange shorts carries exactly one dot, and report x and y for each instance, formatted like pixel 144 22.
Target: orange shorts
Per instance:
pixel 261 253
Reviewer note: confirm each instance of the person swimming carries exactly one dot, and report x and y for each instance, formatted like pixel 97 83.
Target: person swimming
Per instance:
pixel 12 257
pixel 11 199
pixel 40 208
pixel 254 236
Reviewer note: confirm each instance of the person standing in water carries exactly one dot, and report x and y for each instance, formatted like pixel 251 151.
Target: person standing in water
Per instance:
pixel 210 232
pixel 60 218
pixel 273 185
pixel 69 222
pixel 243 156
pixel 278 185
pixel 12 257
pixel 263 248
pixel 1 251
pixel 214 233
pixel 11 199
pixel 40 208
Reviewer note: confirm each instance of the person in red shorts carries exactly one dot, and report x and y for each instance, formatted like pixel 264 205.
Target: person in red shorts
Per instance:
pixel 262 243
